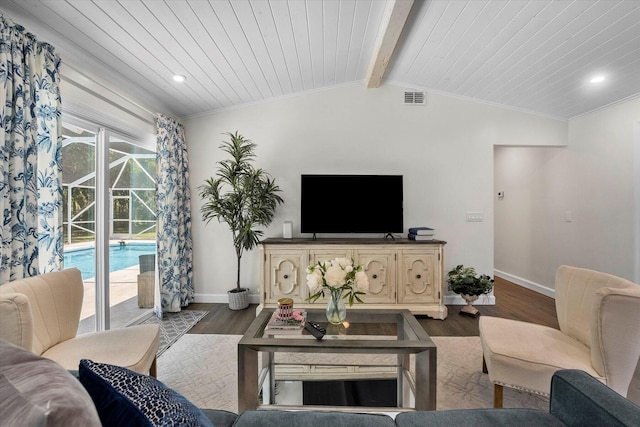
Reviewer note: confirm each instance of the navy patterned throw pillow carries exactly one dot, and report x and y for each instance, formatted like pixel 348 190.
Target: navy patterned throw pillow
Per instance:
pixel 126 398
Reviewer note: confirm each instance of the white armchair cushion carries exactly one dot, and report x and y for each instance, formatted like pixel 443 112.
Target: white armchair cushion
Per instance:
pixel 56 301
pixel 527 355
pixel 634 388
pixel 575 298
pixel 121 347
pixel 616 325
pixel 16 325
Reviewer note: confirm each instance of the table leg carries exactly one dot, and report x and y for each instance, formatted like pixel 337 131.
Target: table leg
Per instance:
pixel 404 364
pixel 426 380
pixel 247 379
pixel 267 361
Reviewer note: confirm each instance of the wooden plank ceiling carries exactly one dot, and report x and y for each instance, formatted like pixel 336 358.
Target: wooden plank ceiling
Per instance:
pixel 535 55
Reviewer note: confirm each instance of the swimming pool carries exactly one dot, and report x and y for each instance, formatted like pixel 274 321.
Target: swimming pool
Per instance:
pixel 120 257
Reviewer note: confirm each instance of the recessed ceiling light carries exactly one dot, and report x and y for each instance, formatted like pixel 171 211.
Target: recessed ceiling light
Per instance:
pixel 179 78
pixel 597 79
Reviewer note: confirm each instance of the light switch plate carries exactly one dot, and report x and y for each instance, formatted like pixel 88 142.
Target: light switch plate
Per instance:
pixel 475 216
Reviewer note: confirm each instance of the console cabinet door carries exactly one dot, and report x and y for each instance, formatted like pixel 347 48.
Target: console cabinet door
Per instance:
pixel 419 281
pixel 285 276
pixel 321 255
pixel 379 265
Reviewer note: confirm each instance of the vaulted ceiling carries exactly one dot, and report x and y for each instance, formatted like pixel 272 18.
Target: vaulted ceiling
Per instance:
pixel 537 56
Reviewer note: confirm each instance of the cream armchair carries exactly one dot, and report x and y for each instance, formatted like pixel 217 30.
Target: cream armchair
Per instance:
pixel 42 314
pixel 599 318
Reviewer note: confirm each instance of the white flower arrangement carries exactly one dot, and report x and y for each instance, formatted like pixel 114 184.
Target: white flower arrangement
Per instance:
pixel 339 277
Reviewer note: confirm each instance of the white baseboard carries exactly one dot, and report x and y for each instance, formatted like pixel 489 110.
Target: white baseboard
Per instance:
pixel 222 298
pixel 455 299
pixel 544 290
pixel 255 299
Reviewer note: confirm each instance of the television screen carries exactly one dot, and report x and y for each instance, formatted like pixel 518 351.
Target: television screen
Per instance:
pixel 351 204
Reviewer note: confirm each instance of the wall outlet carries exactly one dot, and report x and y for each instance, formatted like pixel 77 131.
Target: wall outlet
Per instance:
pixel 475 216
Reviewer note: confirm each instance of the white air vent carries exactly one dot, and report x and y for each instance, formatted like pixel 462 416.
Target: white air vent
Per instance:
pixel 414 98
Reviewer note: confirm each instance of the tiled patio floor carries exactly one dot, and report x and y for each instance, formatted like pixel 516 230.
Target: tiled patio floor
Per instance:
pixel 123 285
pixel 123 297
pixel 123 300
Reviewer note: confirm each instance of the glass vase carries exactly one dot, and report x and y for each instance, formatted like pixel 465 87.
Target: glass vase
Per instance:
pixel 336 308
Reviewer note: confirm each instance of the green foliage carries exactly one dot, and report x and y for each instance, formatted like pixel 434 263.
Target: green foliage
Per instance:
pixel 240 195
pixel 134 178
pixel 464 281
pixel 78 160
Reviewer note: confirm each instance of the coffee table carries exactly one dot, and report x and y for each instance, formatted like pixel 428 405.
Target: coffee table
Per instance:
pixel 366 331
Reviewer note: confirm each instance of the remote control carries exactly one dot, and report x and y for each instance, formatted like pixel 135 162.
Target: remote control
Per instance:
pixel 315 329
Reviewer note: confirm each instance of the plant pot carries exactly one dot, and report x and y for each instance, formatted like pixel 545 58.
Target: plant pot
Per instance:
pixel 469 309
pixel 238 298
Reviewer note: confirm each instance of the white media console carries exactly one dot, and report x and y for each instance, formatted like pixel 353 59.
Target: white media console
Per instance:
pixel 402 273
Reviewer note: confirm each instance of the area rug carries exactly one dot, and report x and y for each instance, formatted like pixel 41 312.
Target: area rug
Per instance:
pixel 174 325
pixel 204 369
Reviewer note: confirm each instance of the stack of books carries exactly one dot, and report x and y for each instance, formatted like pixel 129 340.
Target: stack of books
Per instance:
pixel 295 325
pixel 421 233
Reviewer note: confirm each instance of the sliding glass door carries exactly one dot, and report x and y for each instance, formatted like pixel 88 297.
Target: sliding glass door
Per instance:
pixel 109 220
pixel 132 231
pixel 79 213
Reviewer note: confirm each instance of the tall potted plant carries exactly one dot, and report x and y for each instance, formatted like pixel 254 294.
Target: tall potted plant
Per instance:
pixel 465 282
pixel 244 197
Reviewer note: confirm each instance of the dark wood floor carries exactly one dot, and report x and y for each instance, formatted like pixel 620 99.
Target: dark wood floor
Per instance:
pixel 512 302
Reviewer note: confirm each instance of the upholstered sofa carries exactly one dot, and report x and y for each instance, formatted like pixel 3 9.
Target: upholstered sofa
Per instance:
pixel 38 391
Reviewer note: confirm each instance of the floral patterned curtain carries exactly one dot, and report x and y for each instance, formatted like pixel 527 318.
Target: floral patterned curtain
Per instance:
pixel 30 144
pixel 175 248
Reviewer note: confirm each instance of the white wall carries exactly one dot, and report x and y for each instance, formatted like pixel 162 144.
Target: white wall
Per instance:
pixel 591 183
pixel 636 197
pixel 444 150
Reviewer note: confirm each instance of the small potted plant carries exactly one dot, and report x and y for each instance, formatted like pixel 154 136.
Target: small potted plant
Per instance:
pixel 465 282
pixel 244 197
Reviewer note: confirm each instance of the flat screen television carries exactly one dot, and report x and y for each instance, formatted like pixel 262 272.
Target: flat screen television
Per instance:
pixel 351 204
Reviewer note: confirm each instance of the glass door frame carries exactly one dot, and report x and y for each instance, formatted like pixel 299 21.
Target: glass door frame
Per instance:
pixel 102 218
pixel 102 208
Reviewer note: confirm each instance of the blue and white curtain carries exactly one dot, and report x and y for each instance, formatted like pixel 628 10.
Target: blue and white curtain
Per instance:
pixel 175 247
pixel 30 144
